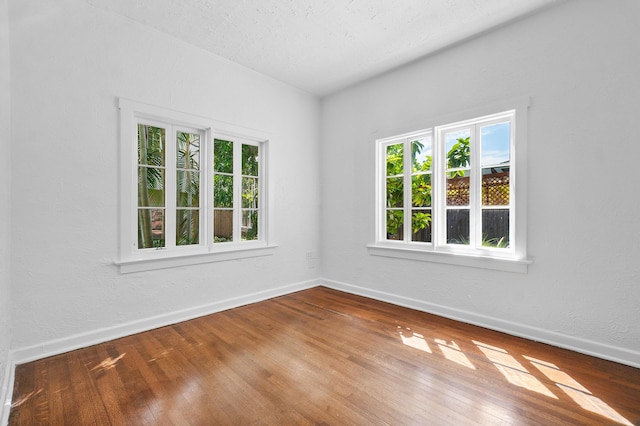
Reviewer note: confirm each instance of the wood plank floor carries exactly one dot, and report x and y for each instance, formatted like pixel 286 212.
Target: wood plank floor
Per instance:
pixel 326 358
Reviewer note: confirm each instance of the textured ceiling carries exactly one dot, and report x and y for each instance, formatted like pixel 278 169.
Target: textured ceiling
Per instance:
pixel 322 46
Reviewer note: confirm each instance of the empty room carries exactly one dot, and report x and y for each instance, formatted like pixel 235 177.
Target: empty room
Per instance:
pixel 319 212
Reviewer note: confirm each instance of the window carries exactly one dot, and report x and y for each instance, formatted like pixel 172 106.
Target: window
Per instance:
pixel 236 184
pixel 449 194
pixel 193 190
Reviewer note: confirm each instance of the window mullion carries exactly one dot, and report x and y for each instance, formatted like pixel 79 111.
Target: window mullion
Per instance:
pixel 407 166
pixel 439 191
pixel 237 190
pixel 475 183
pixel 170 192
pixel 206 150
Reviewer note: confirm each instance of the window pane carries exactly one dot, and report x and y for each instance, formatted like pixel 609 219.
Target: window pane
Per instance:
pixel 223 156
pixel 395 192
pixel 458 226
pixel 395 224
pixel 150 228
pixel 250 193
pixel 422 154
pixel 458 188
pixel 151 145
pixel 249 225
pixel 495 142
pixel 250 160
pixel 495 228
pixel 421 226
pixel 421 190
pixel 187 227
pixel 188 188
pixel 457 146
pixel 222 226
pixel 188 151
pixel 223 191
pixel 395 159
pixel 495 186
pixel 150 186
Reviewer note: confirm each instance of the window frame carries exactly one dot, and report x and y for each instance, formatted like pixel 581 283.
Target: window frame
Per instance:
pixel 133 259
pixel 513 259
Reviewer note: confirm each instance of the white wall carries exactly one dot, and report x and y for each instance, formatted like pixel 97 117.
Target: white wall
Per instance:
pixel 5 198
pixel 69 63
pixel 580 64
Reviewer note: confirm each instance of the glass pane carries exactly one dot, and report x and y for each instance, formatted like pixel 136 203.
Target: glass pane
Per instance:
pixel 222 226
pixel 150 228
pixel 421 226
pixel 223 156
pixel 421 190
pixel 395 192
pixel 250 160
pixel 395 159
pixel 150 186
pixel 457 146
pixel 151 145
pixel 495 228
pixel 422 154
pixel 187 227
pixel 250 193
pixel 395 223
pixel 458 226
pixel 188 151
pixel 495 142
pixel 222 191
pixel 458 188
pixel 249 225
pixel 188 188
pixel 495 186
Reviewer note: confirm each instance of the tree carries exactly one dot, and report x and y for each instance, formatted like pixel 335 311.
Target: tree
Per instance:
pixel 421 189
pixel 151 142
pixel 188 187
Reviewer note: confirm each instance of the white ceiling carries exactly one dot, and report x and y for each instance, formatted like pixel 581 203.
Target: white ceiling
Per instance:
pixel 321 46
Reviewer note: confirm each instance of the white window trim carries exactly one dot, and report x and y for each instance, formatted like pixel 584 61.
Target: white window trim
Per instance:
pixel 134 260
pixel 514 260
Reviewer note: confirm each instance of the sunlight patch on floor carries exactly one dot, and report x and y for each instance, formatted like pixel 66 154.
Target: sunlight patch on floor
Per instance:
pixel 512 370
pixel 414 340
pixel 576 391
pixel 453 353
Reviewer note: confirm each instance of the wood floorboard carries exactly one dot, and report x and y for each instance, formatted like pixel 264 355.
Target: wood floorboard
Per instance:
pixel 323 357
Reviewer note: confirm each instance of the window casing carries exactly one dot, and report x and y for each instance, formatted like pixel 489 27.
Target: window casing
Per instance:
pixel 449 193
pixel 193 190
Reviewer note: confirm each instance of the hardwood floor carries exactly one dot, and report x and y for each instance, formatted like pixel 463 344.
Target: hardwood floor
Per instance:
pixel 324 357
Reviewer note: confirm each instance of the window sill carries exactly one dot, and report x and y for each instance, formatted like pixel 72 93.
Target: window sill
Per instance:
pixel 494 263
pixel 173 260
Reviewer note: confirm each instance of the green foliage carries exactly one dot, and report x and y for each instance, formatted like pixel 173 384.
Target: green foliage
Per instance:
pixel 151 160
pixel 222 156
pixel 395 220
pixel 223 183
pixel 250 160
pixel 420 188
pixel 459 156
pixel 250 220
pixel 501 242
pixel 395 159
pixel 420 221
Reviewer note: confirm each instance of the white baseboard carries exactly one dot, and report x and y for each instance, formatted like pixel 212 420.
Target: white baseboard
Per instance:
pixel 66 344
pixel 576 344
pixel 82 340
